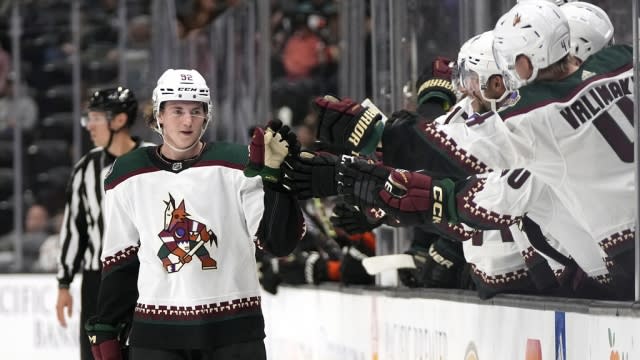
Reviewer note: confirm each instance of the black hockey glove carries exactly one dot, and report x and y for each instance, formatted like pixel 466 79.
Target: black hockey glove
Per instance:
pixel 354 221
pixel 310 174
pixel 303 267
pixel 439 266
pixel 359 182
pixel 267 150
pixel 351 269
pixel 434 84
pixel 268 272
pixel 348 126
pixel 107 341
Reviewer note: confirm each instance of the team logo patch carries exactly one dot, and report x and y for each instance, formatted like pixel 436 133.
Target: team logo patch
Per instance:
pixel 184 238
pixel 516 19
pixel 510 101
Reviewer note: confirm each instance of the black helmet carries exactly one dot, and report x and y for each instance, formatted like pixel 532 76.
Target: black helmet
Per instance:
pixel 115 101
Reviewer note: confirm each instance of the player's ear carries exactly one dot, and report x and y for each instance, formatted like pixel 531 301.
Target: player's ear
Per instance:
pixel 497 85
pixel 119 121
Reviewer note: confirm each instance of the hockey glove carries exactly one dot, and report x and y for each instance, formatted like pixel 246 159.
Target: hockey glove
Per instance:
pixel 439 266
pixel 310 174
pixel 105 340
pixel 348 126
pixel 303 267
pixel 361 247
pixel 268 272
pixel 359 181
pixel 354 221
pixel 414 198
pixel 267 150
pixel 434 84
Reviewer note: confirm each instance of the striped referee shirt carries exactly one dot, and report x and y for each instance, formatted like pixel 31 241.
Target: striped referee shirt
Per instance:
pixel 83 225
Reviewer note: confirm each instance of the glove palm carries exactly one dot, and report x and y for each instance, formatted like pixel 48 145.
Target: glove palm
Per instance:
pixel 268 149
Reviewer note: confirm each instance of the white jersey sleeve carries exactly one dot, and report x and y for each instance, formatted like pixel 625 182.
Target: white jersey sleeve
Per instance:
pixel 252 200
pixel 120 234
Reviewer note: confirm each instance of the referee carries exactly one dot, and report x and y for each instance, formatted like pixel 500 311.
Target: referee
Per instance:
pixel 111 112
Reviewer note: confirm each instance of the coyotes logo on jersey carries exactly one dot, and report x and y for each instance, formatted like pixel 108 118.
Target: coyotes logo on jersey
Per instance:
pixel 184 237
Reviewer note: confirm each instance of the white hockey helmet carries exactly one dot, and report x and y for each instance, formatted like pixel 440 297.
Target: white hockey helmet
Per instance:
pixel 456 79
pixel 182 85
pixel 536 29
pixel 479 66
pixel 591 28
pixel 557 2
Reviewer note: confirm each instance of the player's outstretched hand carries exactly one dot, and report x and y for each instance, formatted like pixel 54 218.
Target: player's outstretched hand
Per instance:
pixel 347 126
pixel 309 174
pixel 267 150
pixel 353 220
pixel 359 181
pixel 434 84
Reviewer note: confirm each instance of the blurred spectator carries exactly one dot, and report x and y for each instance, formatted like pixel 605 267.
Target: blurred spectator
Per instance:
pixel 22 110
pixel 36 229
pixel 49 250
pixel 304 51
pixel 306 135
pixel 5 67
pixel 136 54
pixel 199 13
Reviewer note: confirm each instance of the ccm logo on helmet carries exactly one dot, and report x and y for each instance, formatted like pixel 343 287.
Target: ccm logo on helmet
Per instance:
pixel 187 89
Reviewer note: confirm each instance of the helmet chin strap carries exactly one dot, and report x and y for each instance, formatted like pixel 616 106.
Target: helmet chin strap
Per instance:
pixel 111 134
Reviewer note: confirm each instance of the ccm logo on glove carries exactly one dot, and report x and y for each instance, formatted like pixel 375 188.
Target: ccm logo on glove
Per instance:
pixel 362 125
pixel 437 205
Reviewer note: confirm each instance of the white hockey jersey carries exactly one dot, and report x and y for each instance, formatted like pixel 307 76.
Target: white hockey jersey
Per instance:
pixel 205 208
pixel 574 135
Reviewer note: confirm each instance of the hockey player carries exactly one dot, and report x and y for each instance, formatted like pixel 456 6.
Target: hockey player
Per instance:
pixel 595 269
pixel 591 28
pixel 189 202
pixel 111 112
pixel 540 131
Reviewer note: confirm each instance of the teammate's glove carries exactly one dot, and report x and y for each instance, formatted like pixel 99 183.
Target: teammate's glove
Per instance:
pixel 414 198
pixel 354 221
pixel 267 150
pixel 348 126
pixel 310 174
pixel 439 266
pixel 106 342
pixel 361 247
pixel 359 182
pixel 434 84
pixel 303 267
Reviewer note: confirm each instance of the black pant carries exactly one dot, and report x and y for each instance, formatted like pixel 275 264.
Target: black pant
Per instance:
pixel 89 304
pixel 254 350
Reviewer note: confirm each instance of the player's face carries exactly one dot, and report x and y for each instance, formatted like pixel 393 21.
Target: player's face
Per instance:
pixel 97 125
pixel 182 122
